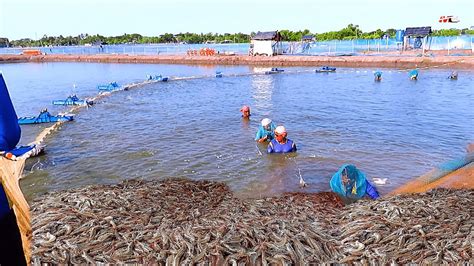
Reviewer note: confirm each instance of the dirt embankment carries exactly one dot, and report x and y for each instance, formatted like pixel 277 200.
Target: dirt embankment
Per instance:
pixel 392 61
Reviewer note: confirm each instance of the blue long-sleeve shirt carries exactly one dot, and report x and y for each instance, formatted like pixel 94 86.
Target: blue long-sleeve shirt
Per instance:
pixel 275 147
pixel 371 191
pixel 261 132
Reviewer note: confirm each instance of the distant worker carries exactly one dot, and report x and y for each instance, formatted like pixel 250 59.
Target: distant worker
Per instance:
pixel 413 74
pixel 378 76
pixel 453 75
pixel 281 144
pixel 351 183
pixel 245 110
pixel 265 131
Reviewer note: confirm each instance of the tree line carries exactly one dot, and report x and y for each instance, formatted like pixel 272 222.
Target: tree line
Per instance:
pixel 348 33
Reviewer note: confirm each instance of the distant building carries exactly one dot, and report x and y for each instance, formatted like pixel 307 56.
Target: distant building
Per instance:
pixel 99 43
pixel 266 43
pixel 4 42
pixel 308 38
pixel 306 42
pixel 420 36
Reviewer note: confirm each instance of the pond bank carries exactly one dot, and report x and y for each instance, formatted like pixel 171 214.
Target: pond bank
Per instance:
pixel 396 61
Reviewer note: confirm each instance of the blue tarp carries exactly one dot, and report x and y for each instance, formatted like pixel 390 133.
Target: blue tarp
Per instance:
pixel 357 186
pixel 21 150
pixel 10 131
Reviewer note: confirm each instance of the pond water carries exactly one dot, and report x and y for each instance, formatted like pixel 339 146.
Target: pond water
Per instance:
pixel 396 129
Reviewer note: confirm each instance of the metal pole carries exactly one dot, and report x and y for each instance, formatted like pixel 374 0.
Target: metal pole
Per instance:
pixel 352 45
pixel 472 47
pixel 448 45
pixel 424 45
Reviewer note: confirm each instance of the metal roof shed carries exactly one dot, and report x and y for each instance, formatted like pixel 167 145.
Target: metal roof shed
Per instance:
pixel 307 38
pixel 266 43
pixel 421 35
pixel 267 36
pixel 418 32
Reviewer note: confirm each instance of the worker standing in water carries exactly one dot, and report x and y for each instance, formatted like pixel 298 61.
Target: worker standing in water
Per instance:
pixel 281 144
pixel 453 76
pixel 265 131
pixel 413 74
pixel 378 76
pixel 245 110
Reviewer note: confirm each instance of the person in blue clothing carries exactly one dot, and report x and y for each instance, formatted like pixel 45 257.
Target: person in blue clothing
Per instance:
pixel 413 74
pixel 265 131
pixel 11 249
pixel 453 76
pixel 378 76
pixel 281 144
pixel 350 183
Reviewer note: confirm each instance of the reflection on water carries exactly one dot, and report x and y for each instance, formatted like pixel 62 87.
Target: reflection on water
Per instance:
pixel 262 88
pixel 395 129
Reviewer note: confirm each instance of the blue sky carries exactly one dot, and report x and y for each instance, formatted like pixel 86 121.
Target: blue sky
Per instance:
pixel 35 18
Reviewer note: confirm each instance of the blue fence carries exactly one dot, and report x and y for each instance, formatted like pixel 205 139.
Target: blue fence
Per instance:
pixel 315 48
